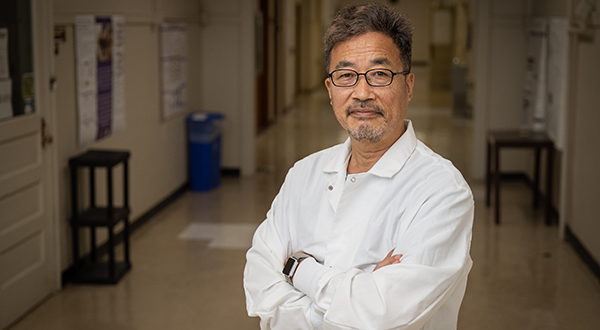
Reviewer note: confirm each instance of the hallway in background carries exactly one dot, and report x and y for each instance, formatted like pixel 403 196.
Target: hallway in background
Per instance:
pixel 188 260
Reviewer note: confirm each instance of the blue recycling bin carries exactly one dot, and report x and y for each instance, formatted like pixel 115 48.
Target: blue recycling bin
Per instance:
pixel 204 148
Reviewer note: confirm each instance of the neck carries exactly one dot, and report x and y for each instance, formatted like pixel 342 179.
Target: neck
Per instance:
pixel 366 154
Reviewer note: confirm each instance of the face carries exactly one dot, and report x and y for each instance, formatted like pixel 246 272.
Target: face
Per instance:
pixel 370 114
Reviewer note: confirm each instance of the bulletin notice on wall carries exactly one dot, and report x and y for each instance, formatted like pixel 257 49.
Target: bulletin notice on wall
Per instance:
pixel 534 100
pixel 100 76
pixel 558 46
pixel 173 62
pixel 5 81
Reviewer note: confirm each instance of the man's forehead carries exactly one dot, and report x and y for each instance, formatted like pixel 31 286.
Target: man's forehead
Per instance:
pixel 374 61
pixel 374 48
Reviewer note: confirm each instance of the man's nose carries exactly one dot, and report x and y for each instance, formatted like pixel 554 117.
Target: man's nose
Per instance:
pixel 362 89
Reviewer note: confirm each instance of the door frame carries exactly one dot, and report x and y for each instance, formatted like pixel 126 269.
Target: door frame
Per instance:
pixel 43 45
pixel 45 103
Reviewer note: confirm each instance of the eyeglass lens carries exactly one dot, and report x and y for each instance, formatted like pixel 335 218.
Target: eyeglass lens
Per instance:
pixel 375 77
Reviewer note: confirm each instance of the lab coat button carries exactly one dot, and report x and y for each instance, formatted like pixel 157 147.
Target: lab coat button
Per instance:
pixel 353 179
pixel 330 188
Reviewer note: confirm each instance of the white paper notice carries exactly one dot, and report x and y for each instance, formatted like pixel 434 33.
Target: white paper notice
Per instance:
pixel 558 46
pixel 6 98
pixel 86 78
pixel 118 79
pixel 534 101
pixel 174 68
pixel 4 73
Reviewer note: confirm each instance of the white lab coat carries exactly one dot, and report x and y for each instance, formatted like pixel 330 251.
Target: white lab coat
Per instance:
pixel 412 200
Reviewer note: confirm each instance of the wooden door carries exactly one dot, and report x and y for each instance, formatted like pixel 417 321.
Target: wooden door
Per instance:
pixel 28 254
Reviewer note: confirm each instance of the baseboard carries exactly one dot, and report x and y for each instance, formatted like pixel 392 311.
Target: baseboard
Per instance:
pixel 230 172
pixel 102 250
pixel 586 257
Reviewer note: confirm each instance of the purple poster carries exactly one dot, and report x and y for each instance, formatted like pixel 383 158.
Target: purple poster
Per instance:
pixel 100 76
pixel 104 74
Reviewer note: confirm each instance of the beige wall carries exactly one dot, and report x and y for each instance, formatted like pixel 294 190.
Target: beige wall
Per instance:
pixel 461 33
pixel 419 13
pixel 158 165
pixel 580 181
pixel 582 189
pixel 549 8
pixel 288 54
pixel 499 56
pixel 228 76
pixel 310 46
pixel 499 65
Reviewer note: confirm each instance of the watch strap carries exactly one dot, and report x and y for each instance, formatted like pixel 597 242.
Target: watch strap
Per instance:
pixel 292 266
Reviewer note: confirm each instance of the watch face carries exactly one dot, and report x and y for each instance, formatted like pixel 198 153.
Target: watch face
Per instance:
pixel 288 266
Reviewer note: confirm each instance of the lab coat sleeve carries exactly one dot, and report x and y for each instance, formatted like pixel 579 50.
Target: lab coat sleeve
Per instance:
pixel 436 261
pixel 268 295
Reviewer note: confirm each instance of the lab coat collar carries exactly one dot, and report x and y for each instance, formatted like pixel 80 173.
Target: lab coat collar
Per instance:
pixel 339 162
pixel 389 164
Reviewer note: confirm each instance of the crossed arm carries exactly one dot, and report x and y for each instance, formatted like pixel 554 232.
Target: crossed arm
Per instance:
pixel 389 259
pixel 396 296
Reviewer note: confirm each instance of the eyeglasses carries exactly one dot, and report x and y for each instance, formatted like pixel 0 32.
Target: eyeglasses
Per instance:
pixel 375 77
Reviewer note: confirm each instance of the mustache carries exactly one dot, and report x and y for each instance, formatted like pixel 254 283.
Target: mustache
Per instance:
pixel 364 104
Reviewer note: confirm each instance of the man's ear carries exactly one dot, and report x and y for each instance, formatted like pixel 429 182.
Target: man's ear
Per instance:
pixel 410 83
pixel 328 85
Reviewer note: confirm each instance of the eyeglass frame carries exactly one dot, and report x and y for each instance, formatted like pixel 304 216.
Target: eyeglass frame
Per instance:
pixel 404 73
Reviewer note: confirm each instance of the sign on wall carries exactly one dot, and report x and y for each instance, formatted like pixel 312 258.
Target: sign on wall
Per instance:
pixel 100 77
pixel 5 81
pixel 558 44
pixel 173 61
pixel 534 98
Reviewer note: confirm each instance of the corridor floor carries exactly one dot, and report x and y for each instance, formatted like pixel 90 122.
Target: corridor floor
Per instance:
pixel 188 260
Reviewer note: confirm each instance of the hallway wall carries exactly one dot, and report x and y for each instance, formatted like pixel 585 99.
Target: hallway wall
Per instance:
pixel 580 184
pixel 583 179
pixel 228 76
pixel 158 165
pixel 310 46
pixel 499 61
pixel 499 71
pixel 288 56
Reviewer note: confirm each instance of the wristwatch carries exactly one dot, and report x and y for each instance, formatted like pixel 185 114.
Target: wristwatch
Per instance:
pixel 292 265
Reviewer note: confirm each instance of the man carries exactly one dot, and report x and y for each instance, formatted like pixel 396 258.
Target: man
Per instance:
pixel 373 233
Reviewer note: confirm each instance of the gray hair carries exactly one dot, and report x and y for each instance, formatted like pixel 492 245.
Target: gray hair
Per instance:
pixel 355 20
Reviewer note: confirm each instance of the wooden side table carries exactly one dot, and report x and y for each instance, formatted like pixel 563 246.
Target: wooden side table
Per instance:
pixel 519 139
pixel 95 271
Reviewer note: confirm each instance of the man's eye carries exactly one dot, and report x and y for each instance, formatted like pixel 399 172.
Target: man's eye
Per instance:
pixel 380 73
pixel 347 75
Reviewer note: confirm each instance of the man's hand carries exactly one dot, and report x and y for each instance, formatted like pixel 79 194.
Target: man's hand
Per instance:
pixel 389 260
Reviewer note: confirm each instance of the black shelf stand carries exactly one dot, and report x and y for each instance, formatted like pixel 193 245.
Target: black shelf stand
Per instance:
pixel 91 270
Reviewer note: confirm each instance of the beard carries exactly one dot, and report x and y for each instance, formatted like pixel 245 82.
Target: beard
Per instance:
pixel 365 131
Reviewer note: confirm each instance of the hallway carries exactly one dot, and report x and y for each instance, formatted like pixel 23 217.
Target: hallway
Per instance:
pixel 188 260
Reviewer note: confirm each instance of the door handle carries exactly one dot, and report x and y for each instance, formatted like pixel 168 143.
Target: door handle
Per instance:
pixel 46 138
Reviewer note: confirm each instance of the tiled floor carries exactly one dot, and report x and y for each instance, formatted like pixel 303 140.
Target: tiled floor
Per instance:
pixel 188 260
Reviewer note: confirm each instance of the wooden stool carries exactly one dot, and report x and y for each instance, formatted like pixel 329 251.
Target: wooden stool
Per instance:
pixel 519 139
